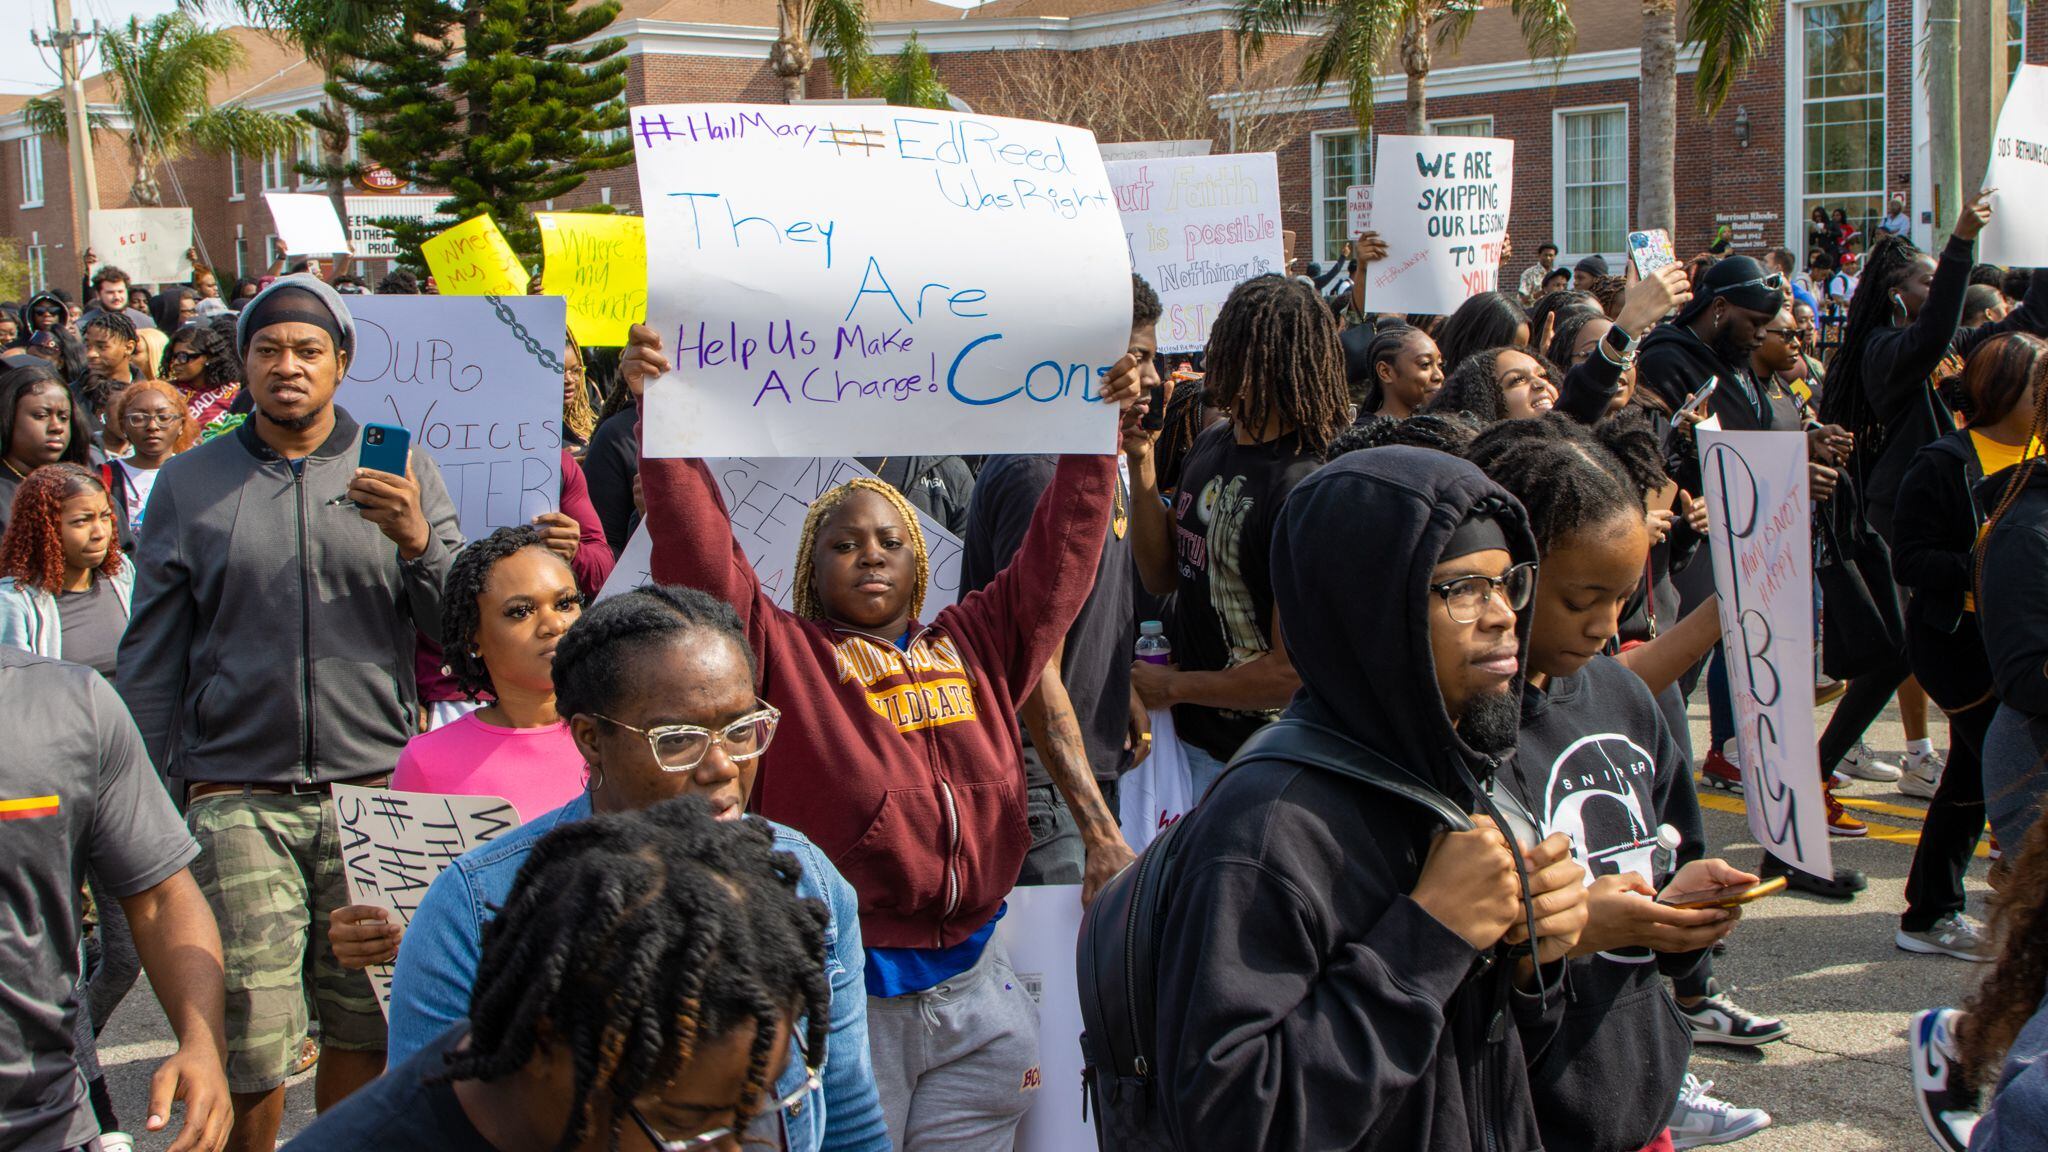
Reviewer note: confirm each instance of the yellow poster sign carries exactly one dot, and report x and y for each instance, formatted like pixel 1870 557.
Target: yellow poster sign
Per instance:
pixel 474 259
pixel 599 263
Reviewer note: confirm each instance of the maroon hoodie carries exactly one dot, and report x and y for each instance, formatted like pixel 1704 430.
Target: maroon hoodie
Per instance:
pixel 904 766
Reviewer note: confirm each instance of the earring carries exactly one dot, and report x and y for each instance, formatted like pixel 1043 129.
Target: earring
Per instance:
pixel 593 777
pixel 447 671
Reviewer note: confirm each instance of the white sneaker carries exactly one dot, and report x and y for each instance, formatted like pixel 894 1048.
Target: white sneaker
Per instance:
pixel 1948 1111
pixel 1922 775
pixel 116 1142
pixel 1950 936
pixel 1863 764
pixel 1698 1119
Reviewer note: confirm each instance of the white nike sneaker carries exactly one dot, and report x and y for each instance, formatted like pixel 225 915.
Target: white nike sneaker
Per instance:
pixel 1922 775
pixel 1698 1119
pixel 1863 764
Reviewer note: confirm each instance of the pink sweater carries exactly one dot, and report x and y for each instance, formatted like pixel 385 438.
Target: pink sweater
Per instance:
pixel 537 769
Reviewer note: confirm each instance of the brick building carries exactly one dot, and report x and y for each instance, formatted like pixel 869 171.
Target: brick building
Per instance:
pixel 1829 117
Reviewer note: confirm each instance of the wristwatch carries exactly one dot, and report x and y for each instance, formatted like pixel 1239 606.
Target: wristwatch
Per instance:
pixel 1618 347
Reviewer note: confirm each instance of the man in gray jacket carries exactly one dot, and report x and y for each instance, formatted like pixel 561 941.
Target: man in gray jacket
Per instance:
pixel 270 655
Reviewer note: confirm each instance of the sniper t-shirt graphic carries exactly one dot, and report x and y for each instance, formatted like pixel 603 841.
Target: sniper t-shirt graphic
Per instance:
pixel 1600 792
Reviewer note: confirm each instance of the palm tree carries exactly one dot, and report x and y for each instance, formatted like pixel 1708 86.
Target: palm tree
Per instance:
pixel 908 80
pixel 160 72
pixel 1356 36
pixel 836 28
pixel 1731 35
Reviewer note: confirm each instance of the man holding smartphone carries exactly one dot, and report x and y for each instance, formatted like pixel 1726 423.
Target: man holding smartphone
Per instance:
pixel 269 656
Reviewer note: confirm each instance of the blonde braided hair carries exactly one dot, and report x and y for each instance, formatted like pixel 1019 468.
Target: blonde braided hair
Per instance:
pixel 804 600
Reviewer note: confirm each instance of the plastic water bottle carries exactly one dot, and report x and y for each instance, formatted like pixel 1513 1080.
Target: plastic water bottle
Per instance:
pixel 1152 645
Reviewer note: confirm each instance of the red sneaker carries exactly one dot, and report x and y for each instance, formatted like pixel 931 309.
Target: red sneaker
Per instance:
pixel 1717 771
pixel 1840 823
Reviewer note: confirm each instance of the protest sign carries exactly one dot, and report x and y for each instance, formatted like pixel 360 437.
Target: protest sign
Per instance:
pixel 149 244
pixel 474 259
pixel 1756 497
pixel 1154 149
pixel 479 395
pixel 868 280
pixel 767 500
pixel 1441 204
pixel 393 844
pixel 1357 210
pixel 306 224
pixel 599 265
pixel 1040 931
pixel 2017 236
pixel 1198 227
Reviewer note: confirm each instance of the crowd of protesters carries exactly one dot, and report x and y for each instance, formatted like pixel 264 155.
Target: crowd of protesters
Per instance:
pixel 764 850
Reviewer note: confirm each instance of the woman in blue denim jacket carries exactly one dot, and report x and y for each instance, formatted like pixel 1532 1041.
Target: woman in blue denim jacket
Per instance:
pixel 657 684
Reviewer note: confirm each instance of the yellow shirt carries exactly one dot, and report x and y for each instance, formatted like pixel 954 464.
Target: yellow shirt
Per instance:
pixel 1994 458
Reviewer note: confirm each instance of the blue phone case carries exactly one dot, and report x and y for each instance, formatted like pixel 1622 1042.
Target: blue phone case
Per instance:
pixel 384 448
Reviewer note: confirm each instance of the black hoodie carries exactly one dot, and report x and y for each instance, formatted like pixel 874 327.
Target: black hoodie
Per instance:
pixel 1305 1001
pixel 2014 611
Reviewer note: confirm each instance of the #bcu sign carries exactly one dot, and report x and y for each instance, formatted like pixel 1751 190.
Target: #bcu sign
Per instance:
pixel 836 281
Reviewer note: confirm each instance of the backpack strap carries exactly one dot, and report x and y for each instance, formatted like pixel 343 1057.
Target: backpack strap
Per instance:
pixel 1297 741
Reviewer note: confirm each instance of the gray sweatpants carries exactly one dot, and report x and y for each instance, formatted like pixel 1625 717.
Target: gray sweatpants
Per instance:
pixel 957 1065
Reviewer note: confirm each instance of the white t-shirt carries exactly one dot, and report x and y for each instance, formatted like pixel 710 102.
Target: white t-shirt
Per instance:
pixel 1842 284
pixel 140 481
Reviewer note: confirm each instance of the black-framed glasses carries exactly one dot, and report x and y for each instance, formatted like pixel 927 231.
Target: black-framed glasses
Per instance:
pixel 681 747
pixel 813 1082
pixel 152 419
pixel 183 357
pixel 1465 598
pixel 1788 335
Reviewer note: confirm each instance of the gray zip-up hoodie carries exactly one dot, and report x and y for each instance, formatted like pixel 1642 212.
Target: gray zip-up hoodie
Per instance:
pixel 271 639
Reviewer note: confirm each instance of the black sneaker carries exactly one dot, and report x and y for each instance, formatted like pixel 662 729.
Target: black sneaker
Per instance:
pixel 1719 1020
pixel 1843 885
pixel 1949 1112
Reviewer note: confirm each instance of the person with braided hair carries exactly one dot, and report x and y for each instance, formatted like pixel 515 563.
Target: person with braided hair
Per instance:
pixel 903 759
pixel 650 981
pixel 2011 581
pixel 1391 370
pixel 657 685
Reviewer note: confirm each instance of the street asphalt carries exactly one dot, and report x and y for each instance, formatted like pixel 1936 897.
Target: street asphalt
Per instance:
pixel 1839 1083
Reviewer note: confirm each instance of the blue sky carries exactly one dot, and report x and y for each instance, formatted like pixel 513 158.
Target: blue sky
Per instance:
pixel 26 68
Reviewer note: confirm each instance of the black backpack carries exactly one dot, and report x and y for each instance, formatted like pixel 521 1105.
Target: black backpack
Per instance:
pixel 1120 936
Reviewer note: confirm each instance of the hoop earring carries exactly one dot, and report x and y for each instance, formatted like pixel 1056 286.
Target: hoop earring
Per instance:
pixel 593 777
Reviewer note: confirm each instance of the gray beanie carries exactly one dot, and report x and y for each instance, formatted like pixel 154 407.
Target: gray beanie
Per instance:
pixel 298 297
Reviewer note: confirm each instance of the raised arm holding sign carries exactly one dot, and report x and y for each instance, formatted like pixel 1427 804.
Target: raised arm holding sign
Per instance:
pixel 1441 203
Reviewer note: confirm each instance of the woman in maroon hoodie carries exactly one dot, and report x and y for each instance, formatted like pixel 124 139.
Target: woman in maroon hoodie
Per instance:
pixel 899 752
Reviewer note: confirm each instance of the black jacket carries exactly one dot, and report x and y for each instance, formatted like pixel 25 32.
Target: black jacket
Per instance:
pixel 941 487
pixel 1305 1002
pixel 2014 610
pixel 1674 363
pixel 610 463
pixel 1934 537
pixel 1898 362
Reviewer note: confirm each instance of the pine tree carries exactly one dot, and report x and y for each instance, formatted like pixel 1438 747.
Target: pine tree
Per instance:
pixel 494 101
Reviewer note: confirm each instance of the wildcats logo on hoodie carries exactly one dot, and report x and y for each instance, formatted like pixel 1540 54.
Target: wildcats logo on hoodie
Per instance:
pixel 940 694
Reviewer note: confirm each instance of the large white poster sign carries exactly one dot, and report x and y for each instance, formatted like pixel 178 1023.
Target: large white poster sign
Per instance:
pixel 2017 236
pixel 393 844
pixel 306 224
pixel 1040 932
pixel 1763 570
pixel 149 244
pixel 1198 227
pixel 470 378
pixel 1441 204
pixel 869 280
pixel 768 499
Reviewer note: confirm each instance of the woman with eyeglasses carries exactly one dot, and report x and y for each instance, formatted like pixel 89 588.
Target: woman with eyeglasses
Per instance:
pixel 201 362
pixel 657 687
pixel 655 980
pixel 151 417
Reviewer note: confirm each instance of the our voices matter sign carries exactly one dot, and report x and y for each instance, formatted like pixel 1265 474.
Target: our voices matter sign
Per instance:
pixel 837 281
pixel 1198 227
pixel 1761 533
pixel 477 380
pixel 1441 204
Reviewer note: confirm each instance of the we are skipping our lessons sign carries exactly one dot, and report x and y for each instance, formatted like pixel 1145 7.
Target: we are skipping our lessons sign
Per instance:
pixel 1441 204
pixel 840 281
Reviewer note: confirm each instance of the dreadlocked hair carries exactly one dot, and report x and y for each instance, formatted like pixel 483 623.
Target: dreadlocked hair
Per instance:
pixel 1183 423
pixel 32 551
pixel 1845 400
pixel 1487 320
pixel 1632 437
pixel 804 596
pixel 1473 390
pixel 461 614
pixel 594 658
pixel 2020 475
pixel 1447 432
pixel 639 938
pixel 223 364
pixel 1566 479
pixel 2008 997
pixel 116 323
pixel 1274 355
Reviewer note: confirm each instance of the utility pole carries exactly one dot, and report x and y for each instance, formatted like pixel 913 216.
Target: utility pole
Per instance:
pixel 1944 114
pixel 65 37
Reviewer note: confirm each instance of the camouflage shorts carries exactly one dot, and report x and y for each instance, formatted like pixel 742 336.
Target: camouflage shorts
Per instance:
pixel 271 868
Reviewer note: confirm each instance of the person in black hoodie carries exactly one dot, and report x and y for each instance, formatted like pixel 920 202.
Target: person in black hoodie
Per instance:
pixel 2012 597
pixel 1337 973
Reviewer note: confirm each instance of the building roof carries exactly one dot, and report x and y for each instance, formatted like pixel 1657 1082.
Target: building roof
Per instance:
pixel 761 13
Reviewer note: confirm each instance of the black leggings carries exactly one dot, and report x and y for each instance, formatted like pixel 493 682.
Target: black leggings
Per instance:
pixel 1859 706
pixel 1955 822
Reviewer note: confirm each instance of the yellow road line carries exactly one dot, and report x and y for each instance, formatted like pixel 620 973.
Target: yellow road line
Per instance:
pixel 1722 802
pixel 1882 806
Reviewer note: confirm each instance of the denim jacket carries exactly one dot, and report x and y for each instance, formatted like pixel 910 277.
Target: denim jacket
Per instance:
pixel 438 958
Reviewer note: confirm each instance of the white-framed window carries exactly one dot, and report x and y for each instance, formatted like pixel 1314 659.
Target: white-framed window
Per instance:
pixel 1838 89
pixel 1341 160
pixel 307 151
pixel 1590 191
pixel 38 264
pixel 275 165
pixel 32 171
pixel 2015 36
pixel 270 252
pixel 236 190
pixel 241 253
pixel 1463 126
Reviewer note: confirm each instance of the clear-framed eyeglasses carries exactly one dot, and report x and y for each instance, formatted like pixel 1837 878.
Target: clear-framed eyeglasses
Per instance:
pixel 1465 598
pixel 813 1082
pixel 681 747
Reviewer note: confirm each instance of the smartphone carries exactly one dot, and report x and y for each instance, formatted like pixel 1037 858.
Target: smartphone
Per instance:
pixel 1698 398
pixel 1723 896
pixel 1651 251
pixel 1154 418
pixel 384 448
